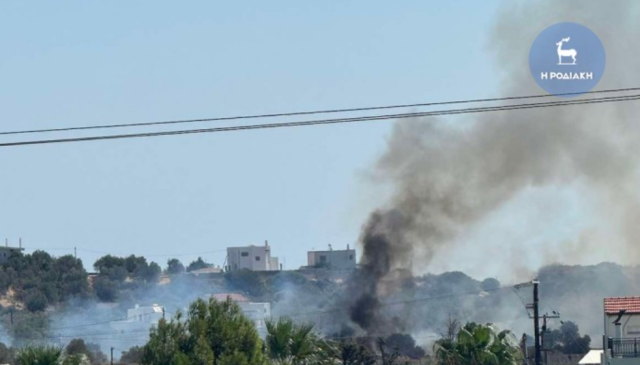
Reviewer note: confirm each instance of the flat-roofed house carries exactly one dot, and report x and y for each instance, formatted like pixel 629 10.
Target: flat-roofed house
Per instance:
pixel 254 258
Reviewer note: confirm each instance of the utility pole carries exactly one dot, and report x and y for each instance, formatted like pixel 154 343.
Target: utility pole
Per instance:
pixel 112 356
pixel 75 255
pixel 547 341
pixel 536 317
pixel 536 323
pixel 535 306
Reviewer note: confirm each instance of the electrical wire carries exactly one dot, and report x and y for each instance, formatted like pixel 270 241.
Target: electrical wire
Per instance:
pixel 102 322
pixel 331 121
pixel 314 112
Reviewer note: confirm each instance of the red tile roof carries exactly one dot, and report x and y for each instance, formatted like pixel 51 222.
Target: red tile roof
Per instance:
pixel 615 305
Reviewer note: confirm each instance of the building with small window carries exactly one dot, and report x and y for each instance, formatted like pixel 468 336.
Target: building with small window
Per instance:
pixel 332 259
pixel 254 258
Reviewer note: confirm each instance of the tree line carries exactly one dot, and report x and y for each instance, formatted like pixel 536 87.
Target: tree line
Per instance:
pixel 39 280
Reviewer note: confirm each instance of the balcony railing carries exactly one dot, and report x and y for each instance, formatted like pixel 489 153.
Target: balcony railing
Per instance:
pixel 624 347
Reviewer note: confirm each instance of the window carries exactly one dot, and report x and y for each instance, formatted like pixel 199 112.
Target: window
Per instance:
pixel 257 258
pixel 244 254
pixel 351 257
pixel 323 258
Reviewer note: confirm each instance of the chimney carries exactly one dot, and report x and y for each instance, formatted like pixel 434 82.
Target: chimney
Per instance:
pixel 618 325
pixel 6 242
pixel 347 247
pixel 266 243
pixel 20 242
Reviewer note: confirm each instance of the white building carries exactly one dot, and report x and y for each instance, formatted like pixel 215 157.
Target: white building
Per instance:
pixel 140 317
pixel 258 312
pixel 149 314
pixel 6 251
pixel 332 259
pixel 622 331
pixel 255 258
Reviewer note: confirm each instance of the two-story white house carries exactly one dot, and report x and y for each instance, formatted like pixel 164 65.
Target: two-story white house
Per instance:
pixel 255 258
pixel 622 331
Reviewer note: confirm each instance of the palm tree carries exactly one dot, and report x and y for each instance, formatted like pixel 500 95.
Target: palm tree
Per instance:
pixel 289 343
pixel 39 355
pixel 478 344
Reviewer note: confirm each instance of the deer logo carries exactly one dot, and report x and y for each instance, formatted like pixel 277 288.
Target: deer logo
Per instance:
pixel 566 52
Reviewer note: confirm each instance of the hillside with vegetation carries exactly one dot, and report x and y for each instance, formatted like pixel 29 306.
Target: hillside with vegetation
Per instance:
pixel 42 293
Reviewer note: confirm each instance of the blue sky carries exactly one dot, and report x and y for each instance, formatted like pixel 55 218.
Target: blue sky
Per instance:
pixel 90 63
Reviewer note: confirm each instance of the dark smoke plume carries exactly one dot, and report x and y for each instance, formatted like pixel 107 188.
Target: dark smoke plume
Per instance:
pixel 447 179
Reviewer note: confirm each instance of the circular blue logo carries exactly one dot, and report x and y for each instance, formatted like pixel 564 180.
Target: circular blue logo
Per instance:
pixel 567 58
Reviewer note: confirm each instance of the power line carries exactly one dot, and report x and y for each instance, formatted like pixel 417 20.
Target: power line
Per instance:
pixel 102 322
pixel 331 121
pixel 313 112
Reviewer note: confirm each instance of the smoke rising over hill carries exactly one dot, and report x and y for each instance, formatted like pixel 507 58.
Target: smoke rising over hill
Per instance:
pixel 449 179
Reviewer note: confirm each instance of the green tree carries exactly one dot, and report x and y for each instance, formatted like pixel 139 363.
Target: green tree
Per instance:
pixel 39 355
pixel 352 353
pixel 298 344
pixel 105 263
pixel 174 267
pixel 478 344
pixel 40 280
pixel 77 346
pixel 78 350
pixel 569 341
pixel 72 276
pixel 29 325
pixel 106 290
pixel 118 268
pixel 150 273
pixel 213 333
pixel 198 264
pixel 35 301
pixel 132 356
